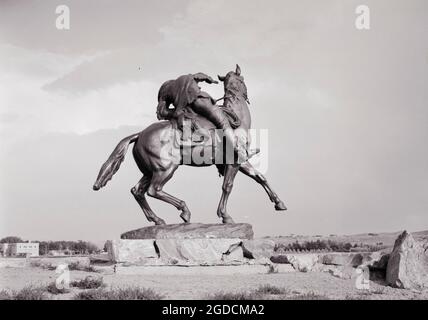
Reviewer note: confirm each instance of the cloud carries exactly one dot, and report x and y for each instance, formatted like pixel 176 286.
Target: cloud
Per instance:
pixel 36 110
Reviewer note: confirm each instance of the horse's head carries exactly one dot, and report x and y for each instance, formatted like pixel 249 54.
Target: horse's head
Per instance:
pixel 234 84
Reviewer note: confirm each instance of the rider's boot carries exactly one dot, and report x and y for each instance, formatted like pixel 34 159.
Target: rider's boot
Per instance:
pixel 211 111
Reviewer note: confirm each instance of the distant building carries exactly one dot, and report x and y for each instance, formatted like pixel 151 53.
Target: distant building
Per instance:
pixel 19 249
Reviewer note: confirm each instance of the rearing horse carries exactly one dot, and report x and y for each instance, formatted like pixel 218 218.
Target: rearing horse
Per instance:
pixel 153 153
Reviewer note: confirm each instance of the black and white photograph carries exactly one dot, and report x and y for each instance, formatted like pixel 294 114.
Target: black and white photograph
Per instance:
pixel 214 157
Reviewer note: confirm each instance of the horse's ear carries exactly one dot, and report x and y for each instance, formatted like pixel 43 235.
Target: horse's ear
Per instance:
pixel 238 70
pixel 221 78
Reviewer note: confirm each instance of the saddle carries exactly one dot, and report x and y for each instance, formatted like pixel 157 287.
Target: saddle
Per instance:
pixel 188 122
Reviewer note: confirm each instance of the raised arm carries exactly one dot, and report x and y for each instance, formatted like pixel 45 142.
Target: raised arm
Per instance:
pixel 202 77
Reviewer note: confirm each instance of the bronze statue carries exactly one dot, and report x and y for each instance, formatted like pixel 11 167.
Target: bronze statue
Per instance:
pixel 158 154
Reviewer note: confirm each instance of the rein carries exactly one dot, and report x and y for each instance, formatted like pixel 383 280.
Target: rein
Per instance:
pixel 223 98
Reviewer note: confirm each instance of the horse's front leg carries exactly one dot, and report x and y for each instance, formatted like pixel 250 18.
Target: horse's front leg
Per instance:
pixel 250 171
pixel 230 172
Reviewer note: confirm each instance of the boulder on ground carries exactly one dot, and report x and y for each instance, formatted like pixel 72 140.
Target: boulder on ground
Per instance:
pixel 258 248
pixel 280 258
pixel 381 263
pixel 408 264
pixel 352 259
pixel 304 262
pixel 342 272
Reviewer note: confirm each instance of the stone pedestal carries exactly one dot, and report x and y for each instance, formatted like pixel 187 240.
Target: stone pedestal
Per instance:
pixel 188 245
pixel 192 231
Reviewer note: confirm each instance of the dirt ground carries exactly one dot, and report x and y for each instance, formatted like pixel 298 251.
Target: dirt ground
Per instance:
pixel 200 286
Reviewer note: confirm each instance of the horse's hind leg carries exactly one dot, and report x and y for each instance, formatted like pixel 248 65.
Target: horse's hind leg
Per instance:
pixel 250 171
pixel 138 192
pixel 157 182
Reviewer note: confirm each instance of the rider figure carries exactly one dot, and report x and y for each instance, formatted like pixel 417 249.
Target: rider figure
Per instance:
pixel 185 92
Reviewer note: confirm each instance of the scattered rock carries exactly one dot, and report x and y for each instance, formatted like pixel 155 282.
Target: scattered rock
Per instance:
pixel 353 259
pixel 193 231
pixel 408 264
pixel 304 262
pixel 258 248
pixel 342 272
pixel 381 263
pixel 280 258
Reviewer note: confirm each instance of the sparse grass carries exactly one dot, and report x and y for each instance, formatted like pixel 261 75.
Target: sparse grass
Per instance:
pixel 233 296
pixel 262 292
pixel 52 288
pixel 5 295
pixel 379 291
pixel 73 266
pixel 30 293
pixel 76 266
pixel 269 289
pixel 363 295
pixel 358 297
pixel 39 264
pixel 129 293
pixel 308 296
pixel 88 283
pixel 266 292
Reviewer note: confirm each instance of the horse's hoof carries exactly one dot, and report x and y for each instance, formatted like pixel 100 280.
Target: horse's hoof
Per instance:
pixel 280 206
pixel 228 220
pixel 159 222
pixel 185 216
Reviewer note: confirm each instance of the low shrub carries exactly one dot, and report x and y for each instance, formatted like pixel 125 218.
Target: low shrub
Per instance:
pixel 88 282
pixel 30 293
pixel 5 295
pixel 53 289
pixel 129 293
pixel 318 245
pixel 43 265
pixel 308 296
pixel 269 289
pixel 76 266
pixel 233 296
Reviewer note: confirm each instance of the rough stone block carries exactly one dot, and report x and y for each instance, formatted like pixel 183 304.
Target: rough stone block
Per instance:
pixel 258 248
pixel 200 251
pixel 353 259
pixel 280 258
pixel 193 231
pixel 304 262
pixel 133 251
pixel 408 263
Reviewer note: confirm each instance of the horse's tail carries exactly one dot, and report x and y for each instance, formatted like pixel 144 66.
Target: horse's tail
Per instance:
pixel 113 162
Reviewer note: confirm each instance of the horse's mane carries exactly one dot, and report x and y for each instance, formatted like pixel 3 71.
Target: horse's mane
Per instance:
pixel 237 88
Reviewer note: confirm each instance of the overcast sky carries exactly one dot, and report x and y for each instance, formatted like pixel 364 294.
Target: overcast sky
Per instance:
pixel 346 112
